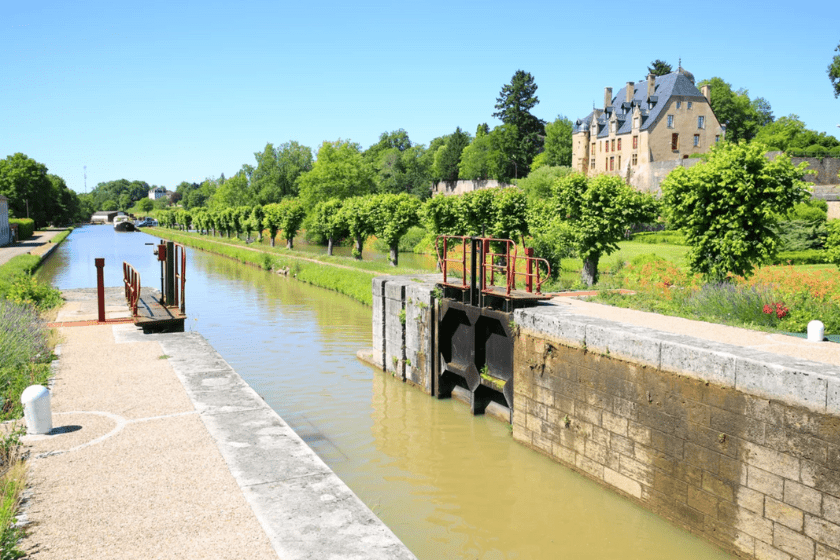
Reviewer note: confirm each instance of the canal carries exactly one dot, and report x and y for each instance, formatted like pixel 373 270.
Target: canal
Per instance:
pixel 450 485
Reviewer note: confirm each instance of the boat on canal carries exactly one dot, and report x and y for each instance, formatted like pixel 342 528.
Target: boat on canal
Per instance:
pixel 124 223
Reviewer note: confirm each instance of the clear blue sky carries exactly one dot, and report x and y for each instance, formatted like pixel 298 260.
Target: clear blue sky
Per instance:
pixel 166 92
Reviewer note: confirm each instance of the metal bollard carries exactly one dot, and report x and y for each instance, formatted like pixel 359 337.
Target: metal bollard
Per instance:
pixel 36 409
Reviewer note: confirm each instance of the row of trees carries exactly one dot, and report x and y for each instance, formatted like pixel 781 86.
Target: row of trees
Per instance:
pixel 35 193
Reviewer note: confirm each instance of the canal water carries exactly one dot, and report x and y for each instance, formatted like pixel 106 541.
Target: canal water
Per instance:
pixel 450 485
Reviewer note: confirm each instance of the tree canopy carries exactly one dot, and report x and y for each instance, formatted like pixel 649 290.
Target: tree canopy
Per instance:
pixel 278 169
pixel 448 156
pixel 734 109
pixel 834 72
pixel 558 144
pixel 513 107
pixel 339 172
pixel 726 207
pixel 659 68
pixel 34 193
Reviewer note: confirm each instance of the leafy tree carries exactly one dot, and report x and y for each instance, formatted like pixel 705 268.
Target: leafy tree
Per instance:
pixel 448 156
pixel 145 205
pixel 233 192
pixel 441 215
pixel 339 172
pixel 326 221
pixel 599 211
pixel 832 243
pixel 659 68
pixel 763 111
pixel 734 109
pixel 538 185
pixel 513 107
pixel 477 158
pixel 400 165
pixel 834 72
pixel 109 206
pixel 255 221
pixel 558 143
pixel 272 220
pixel 25 183
pixel 392 216
pixel 727 206
pixel 357 215
pixel 278 169
pixel 125 201
pixel 293 214
pixel 551 238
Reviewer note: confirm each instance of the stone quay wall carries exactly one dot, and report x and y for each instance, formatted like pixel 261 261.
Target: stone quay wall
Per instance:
pixel 739 446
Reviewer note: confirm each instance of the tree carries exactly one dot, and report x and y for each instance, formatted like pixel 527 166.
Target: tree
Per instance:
pixel 477 158
pixel 145 205
pixel 326 221
pixel 292 215
pixel 392 216
pixel 25 183
pixel 741 116
pixel 233 192
pixel 727 207
pixel 513 107
pixel 599 211
pixel 356 215
pixel 277 171
pixel 539 183
pixel 834 72
pixel 448 156
pixel 659 68
pixel 339 172
pixel 558 142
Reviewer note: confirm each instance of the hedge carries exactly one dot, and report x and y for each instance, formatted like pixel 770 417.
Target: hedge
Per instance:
pixel 26 227
pixel 808 256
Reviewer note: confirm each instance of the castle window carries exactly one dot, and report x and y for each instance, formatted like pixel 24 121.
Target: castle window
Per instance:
pixel 701 122
pixel 606 145
pixel 688 105
pixel 634 159
pixel 636 122
pixel 675 141
pixel 635 142
pixel 592 163
pixel 612 164
pixel 670 121
pixel 593 148
pixel 612 148
pixel 696 140
pixel 679 104
pixel 619 162
pixel 619 145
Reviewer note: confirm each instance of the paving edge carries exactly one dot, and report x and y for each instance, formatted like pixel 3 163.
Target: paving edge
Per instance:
pixel 305 509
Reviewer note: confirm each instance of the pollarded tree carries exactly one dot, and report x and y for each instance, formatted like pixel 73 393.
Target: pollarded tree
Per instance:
pixel 726 207
pixel 293 214
pixel 245 222
pixel 599 211
pixel 356 214
pixel 393 215
pixel 326 220
pixel 272 220
pixel 440 215
pixel 255 221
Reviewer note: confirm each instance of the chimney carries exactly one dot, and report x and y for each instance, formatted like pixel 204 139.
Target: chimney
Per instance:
pixel 651 84
pixel 607 97
pixel 629 96
pixel 707 92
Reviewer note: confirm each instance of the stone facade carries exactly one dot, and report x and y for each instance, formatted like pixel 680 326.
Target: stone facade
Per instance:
pixel 5 230
pixel 465 186
pixel 659 119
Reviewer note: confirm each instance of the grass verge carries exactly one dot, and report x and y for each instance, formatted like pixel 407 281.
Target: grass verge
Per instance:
pixel 325 272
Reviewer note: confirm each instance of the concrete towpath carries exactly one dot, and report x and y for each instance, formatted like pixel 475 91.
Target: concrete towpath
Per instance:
pixel 160 450
pixel 37 244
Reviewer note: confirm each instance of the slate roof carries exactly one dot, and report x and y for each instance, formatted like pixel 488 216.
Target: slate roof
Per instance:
pixel 680 83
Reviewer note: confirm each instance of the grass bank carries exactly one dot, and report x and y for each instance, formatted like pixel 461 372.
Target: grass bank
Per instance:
pixel 342 275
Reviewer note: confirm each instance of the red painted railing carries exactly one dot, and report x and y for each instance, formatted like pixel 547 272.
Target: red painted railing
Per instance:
pixel 504 264
pixel 180 276
pixel 131 278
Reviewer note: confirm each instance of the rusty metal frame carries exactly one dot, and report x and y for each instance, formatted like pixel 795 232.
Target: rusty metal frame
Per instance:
pixel 180 274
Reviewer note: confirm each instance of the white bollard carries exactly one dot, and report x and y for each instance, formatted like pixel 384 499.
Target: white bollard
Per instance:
pixel 36 409
pixel 816 331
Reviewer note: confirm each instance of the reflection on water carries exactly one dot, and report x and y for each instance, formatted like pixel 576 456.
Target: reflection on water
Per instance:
pixel 450 485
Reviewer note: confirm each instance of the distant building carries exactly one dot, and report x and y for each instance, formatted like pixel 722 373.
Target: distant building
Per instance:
pixel 104 217
pixel 157 192
pixel 659 119
pixel 5 230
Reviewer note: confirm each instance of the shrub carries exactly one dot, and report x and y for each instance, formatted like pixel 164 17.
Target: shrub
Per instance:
pixel 26 227
pixel 807 256
pixel 736 304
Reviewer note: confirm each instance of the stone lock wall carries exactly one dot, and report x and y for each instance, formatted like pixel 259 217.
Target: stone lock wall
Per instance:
pixel 736 445
pixel 403 328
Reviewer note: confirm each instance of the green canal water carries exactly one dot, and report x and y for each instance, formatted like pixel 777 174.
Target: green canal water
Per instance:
pixel 450 485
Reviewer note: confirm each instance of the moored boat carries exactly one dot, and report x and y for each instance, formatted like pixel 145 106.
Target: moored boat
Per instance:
pixel 123 223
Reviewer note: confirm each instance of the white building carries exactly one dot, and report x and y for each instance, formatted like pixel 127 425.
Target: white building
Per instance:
pixel 157 192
